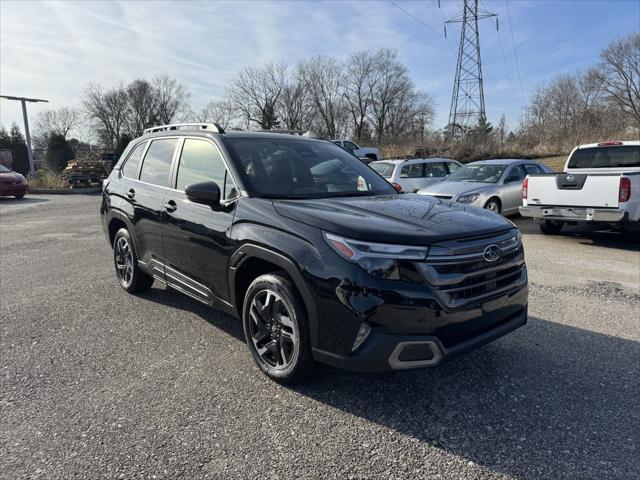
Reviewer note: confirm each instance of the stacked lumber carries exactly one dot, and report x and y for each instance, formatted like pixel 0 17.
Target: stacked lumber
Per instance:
pixel 86 170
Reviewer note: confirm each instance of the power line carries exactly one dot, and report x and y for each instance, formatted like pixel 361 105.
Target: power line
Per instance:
pixel 515 53
pixel 406 12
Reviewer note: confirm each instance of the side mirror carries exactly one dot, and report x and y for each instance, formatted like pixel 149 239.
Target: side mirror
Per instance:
pixel 206 193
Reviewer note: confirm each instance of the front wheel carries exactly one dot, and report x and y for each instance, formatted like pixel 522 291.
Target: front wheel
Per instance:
pixel 125 258
pixel 550 227
pixel 276 329
pixel 493 205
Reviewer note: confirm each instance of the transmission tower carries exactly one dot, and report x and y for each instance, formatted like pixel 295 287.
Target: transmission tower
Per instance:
pixel 467 101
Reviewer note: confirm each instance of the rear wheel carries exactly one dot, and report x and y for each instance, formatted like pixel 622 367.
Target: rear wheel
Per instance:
pixel 276 329
pixel 493 205
pixel 125 259
pixel 20 195
pixel 550 227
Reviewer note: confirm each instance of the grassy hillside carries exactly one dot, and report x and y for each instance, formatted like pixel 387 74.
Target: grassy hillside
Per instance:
pixel 557 163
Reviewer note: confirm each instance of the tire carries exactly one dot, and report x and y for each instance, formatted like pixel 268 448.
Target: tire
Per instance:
pixel 281 348
pixel 19 196
pixel 549 227
pixel 125 260
pixel 493 205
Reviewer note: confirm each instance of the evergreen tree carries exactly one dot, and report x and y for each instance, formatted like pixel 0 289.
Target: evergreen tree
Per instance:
pixel 59 152
pixel 19 147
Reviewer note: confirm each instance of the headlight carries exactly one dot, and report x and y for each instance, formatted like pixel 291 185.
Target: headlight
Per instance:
pixel 378 259
pixel 468 198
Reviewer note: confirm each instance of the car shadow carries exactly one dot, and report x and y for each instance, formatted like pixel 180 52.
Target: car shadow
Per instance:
pixel 22 201
pixel 174 299
pixel 586 235
pixel 547 401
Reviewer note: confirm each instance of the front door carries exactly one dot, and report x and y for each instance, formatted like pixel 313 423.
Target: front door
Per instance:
pixel 196 238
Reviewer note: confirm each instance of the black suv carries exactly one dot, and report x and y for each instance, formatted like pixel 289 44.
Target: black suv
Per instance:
pixel 317 254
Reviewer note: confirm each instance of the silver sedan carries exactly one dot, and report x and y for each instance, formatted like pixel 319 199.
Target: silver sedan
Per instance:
pixel 492 184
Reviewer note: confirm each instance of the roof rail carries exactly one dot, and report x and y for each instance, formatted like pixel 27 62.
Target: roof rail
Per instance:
pixel 284 131
pixel 214 127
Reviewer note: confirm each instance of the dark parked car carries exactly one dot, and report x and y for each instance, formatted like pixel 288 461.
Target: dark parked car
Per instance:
pixel 315 252
pixel 12 184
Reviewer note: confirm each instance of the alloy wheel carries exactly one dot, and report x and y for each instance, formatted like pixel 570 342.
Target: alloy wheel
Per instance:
pixel 124 261
pixel 273 332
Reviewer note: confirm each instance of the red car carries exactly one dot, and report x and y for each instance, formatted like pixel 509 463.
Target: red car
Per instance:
pixel 12 183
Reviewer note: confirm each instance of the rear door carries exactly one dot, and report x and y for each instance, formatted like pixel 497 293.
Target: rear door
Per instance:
pixel 146 195
pixel 411 177
pixel 196 238
pixel 433 172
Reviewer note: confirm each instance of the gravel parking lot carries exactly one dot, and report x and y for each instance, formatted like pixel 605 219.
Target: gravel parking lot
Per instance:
pixel 96 383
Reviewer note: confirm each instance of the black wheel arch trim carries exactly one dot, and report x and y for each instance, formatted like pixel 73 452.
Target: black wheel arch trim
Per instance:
pixel 119 215
pixel 250 250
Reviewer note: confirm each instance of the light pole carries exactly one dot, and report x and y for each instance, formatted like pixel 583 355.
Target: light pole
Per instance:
pixel 23 101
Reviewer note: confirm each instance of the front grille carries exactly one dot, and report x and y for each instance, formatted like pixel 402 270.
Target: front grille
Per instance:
pixel 460 275
pixel 444 197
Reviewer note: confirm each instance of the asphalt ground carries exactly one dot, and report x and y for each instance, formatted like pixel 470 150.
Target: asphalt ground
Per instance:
pixel 96 383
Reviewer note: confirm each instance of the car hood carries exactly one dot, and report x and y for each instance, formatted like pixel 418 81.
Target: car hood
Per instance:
pixel 455 188
pixel 11 177
pixel 404 218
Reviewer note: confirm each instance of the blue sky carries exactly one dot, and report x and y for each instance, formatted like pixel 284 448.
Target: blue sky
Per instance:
pixel 52 49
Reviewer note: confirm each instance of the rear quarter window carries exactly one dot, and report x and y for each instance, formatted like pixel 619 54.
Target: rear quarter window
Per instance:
pixel 156 167
pixel 131 164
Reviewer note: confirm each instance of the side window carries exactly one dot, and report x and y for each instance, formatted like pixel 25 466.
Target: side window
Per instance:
pixel 156 166
pixel 452 167
pixel 350 146
pixel 436 169
pixel 516 172
pixel 411 171
pixel 130 168
pixel 532 169
pixel 200 161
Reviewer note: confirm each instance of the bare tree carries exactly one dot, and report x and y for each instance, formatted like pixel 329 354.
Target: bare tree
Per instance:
pixel 360 78
pixel 255 92
pixel 393 84
pixel 324 81
pixel 620 75
pixel 295 107
pixel 109 109
pixel 172 98
pixel 221 112
pixel 143 111
pixel 60 121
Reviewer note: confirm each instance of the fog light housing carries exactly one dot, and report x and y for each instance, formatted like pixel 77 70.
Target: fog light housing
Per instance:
pixel 363 333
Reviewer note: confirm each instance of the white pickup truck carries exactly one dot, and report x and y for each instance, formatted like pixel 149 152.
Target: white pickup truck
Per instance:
pixel 600 185
pixel 369 154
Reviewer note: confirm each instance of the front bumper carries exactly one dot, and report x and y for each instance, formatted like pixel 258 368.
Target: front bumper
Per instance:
pixel 383 352
pixel 573 214
pixel 13 189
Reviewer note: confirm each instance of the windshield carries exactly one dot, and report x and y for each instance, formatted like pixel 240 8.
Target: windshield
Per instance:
pixel 383 168
pixel 483 173
pixel 4 169
pixel 606 157
pixel 290 168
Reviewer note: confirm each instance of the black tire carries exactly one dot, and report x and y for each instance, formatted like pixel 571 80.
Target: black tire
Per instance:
pixel 493 205
pixel 269 300
pixel 19 196
pixel 125 260
pixel 549 227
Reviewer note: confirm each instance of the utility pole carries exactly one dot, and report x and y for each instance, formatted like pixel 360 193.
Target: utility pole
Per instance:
pixel 25 118
pixel 467 102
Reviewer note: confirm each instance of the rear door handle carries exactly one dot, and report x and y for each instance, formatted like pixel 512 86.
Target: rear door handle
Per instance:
pixel 170 206
pixel 131 193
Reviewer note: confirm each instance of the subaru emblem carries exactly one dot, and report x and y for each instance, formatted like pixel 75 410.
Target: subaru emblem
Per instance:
pixel 492 253
pixel 570 178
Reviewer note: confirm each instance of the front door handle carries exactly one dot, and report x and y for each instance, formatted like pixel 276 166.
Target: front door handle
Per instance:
pixel 131 193
pixel 170 206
